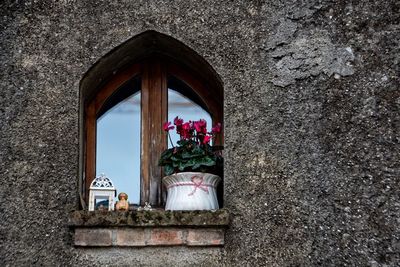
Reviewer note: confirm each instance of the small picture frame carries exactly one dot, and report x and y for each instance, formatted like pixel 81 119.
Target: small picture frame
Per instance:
pixel 101 203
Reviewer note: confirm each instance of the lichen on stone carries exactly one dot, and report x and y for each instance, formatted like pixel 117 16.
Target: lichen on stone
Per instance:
pixel 149 218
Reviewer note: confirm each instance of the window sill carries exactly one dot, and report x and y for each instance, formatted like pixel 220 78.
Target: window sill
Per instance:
pixel 149 228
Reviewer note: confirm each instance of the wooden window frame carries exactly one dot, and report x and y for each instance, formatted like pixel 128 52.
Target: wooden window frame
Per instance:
pixel 154 105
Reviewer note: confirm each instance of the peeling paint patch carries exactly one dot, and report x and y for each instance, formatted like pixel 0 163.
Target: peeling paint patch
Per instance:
pixel 306 56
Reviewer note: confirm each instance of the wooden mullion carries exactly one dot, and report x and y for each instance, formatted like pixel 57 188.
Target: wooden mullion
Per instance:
pixel 154 113
pixel 145 131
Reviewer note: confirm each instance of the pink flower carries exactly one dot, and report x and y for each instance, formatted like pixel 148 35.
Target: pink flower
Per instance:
pixel 201 126
pixel 185 130
pixel 216 129
pixel 186 126
pixel 167 127
pixel 178 121
pixel 206 139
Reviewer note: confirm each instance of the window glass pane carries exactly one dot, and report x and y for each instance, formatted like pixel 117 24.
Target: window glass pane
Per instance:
pixel 181 106
pixel 118 146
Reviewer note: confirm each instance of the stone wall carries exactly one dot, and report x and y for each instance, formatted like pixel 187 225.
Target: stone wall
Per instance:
pixel 311 126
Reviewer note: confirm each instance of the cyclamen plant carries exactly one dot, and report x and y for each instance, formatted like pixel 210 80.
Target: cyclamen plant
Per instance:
pixel 193 151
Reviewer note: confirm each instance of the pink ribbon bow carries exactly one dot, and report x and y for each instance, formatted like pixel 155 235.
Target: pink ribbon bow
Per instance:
pixel 198 183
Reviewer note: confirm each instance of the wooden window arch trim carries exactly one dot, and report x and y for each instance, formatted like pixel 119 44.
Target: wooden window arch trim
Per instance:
pixel 154 73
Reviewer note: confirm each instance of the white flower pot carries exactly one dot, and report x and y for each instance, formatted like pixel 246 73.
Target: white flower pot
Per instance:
pixel 191 191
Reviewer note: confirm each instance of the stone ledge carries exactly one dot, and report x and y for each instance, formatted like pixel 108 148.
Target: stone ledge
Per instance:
pixel 217 218
pixel 149 228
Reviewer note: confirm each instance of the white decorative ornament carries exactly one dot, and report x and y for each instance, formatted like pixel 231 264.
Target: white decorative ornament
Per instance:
pixel 146 207
pixel 101 194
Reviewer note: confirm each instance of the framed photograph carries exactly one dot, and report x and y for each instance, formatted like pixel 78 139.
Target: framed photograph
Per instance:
pixel 101 203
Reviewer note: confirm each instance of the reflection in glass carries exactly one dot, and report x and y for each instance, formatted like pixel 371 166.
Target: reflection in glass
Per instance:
pixel 181 106
pixel 101 203
pixel 118 146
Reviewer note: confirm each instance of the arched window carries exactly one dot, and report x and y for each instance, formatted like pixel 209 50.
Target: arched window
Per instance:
pixel 154 79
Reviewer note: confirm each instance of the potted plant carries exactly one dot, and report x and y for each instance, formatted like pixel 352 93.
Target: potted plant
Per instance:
pixel 191 166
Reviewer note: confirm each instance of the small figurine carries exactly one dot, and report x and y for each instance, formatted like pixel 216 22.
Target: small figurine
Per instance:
pixel 122 203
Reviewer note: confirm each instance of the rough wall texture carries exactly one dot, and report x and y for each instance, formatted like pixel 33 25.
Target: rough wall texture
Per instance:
pixel 312 125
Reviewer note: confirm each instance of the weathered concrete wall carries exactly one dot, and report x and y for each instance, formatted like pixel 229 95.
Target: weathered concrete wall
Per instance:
pixel 312 125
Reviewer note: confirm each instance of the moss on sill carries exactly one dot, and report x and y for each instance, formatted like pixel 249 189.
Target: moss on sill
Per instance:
pixel 154 218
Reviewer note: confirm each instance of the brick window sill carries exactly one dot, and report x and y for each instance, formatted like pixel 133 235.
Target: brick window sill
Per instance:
pixel 149 228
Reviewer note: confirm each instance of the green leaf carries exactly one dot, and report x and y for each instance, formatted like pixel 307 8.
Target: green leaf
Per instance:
pixel 176 158
pixel 192 154
pixel 182 142
pixel 181 166
pixel 207 161
pixel 197 150
pixel 168 170
pixel 175 164
pixel 187 155
pixel 165 156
